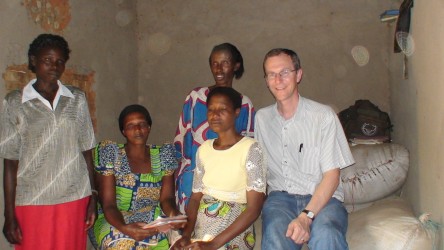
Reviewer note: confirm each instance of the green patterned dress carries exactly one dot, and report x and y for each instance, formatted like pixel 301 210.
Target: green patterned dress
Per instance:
pixel 137 195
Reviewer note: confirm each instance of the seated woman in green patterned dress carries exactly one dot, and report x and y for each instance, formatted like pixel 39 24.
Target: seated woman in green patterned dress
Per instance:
pixel 229 182
pixel 135 184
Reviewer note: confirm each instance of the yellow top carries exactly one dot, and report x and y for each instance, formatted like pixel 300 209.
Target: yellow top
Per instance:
pixel 228 174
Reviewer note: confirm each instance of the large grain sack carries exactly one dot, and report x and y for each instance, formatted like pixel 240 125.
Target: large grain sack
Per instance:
pixel 379 171
pixel 389 224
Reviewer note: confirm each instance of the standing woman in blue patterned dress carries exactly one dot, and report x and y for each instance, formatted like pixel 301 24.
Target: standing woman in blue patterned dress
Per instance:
pixel 135 183
pixel 226 64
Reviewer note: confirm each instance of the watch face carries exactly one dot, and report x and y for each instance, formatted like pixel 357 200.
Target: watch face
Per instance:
pixel 309 213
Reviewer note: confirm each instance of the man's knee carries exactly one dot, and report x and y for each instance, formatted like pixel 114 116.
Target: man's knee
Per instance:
pixel 275 220
pixel 325 237
pixel 333 216
pixel 329 228
pixel 327 232
pixel 274 230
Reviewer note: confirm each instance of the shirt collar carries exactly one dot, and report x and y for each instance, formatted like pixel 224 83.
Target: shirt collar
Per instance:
pixel 30 93
pixel 299 111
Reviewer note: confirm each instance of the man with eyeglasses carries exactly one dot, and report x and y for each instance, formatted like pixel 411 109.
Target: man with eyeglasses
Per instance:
pixel 306 148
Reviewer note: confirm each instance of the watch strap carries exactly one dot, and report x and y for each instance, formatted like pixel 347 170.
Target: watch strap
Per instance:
pixel 309 213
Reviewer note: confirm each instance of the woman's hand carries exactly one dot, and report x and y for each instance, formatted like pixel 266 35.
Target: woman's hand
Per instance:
pixel 12 231
pixel 181 243
pixel 164 228
pixel 136 231
pixel 11 228
pixel 201 245
pixel 91 212
pixel 91 209
pixel 177 226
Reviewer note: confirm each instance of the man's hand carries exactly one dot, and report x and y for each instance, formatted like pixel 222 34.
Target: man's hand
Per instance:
pixel 299 229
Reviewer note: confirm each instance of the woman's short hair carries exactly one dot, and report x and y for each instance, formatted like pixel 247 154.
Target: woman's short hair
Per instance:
pixel 234 96
pixel 134 108
pixel 44 41
pixel 235 55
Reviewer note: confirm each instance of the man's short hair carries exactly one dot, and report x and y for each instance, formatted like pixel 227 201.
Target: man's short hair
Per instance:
pixel 293 55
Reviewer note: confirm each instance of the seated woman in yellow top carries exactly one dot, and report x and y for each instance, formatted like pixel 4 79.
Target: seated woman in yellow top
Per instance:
pixel 229 182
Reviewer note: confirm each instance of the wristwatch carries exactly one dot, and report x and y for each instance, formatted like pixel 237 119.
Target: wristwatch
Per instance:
pixel 309 214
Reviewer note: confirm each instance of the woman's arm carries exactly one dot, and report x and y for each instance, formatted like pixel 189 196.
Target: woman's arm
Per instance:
pixel 91 212
pixel 196 197
pixel 167 197
pixel 11 228
pixel 193 206
pixel 167 192
pixel 192 209
pixel 107 197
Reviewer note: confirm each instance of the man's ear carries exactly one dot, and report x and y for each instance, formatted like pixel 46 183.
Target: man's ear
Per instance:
pixel 237 112
pixel 299 74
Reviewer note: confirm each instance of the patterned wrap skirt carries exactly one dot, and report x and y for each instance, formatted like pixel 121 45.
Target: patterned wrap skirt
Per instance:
pixel 214 216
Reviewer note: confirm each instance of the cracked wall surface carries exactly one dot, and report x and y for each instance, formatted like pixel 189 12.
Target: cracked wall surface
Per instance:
pixel 51 15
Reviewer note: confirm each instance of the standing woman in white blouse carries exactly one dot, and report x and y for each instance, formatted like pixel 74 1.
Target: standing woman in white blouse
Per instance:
pixel 229 182
pixel 46 137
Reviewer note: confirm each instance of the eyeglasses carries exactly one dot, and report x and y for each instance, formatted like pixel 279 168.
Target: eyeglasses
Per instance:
pixel 285 73
pixel 141 125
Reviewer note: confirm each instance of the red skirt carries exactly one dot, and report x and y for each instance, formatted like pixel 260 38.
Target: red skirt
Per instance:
pixel 60 226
